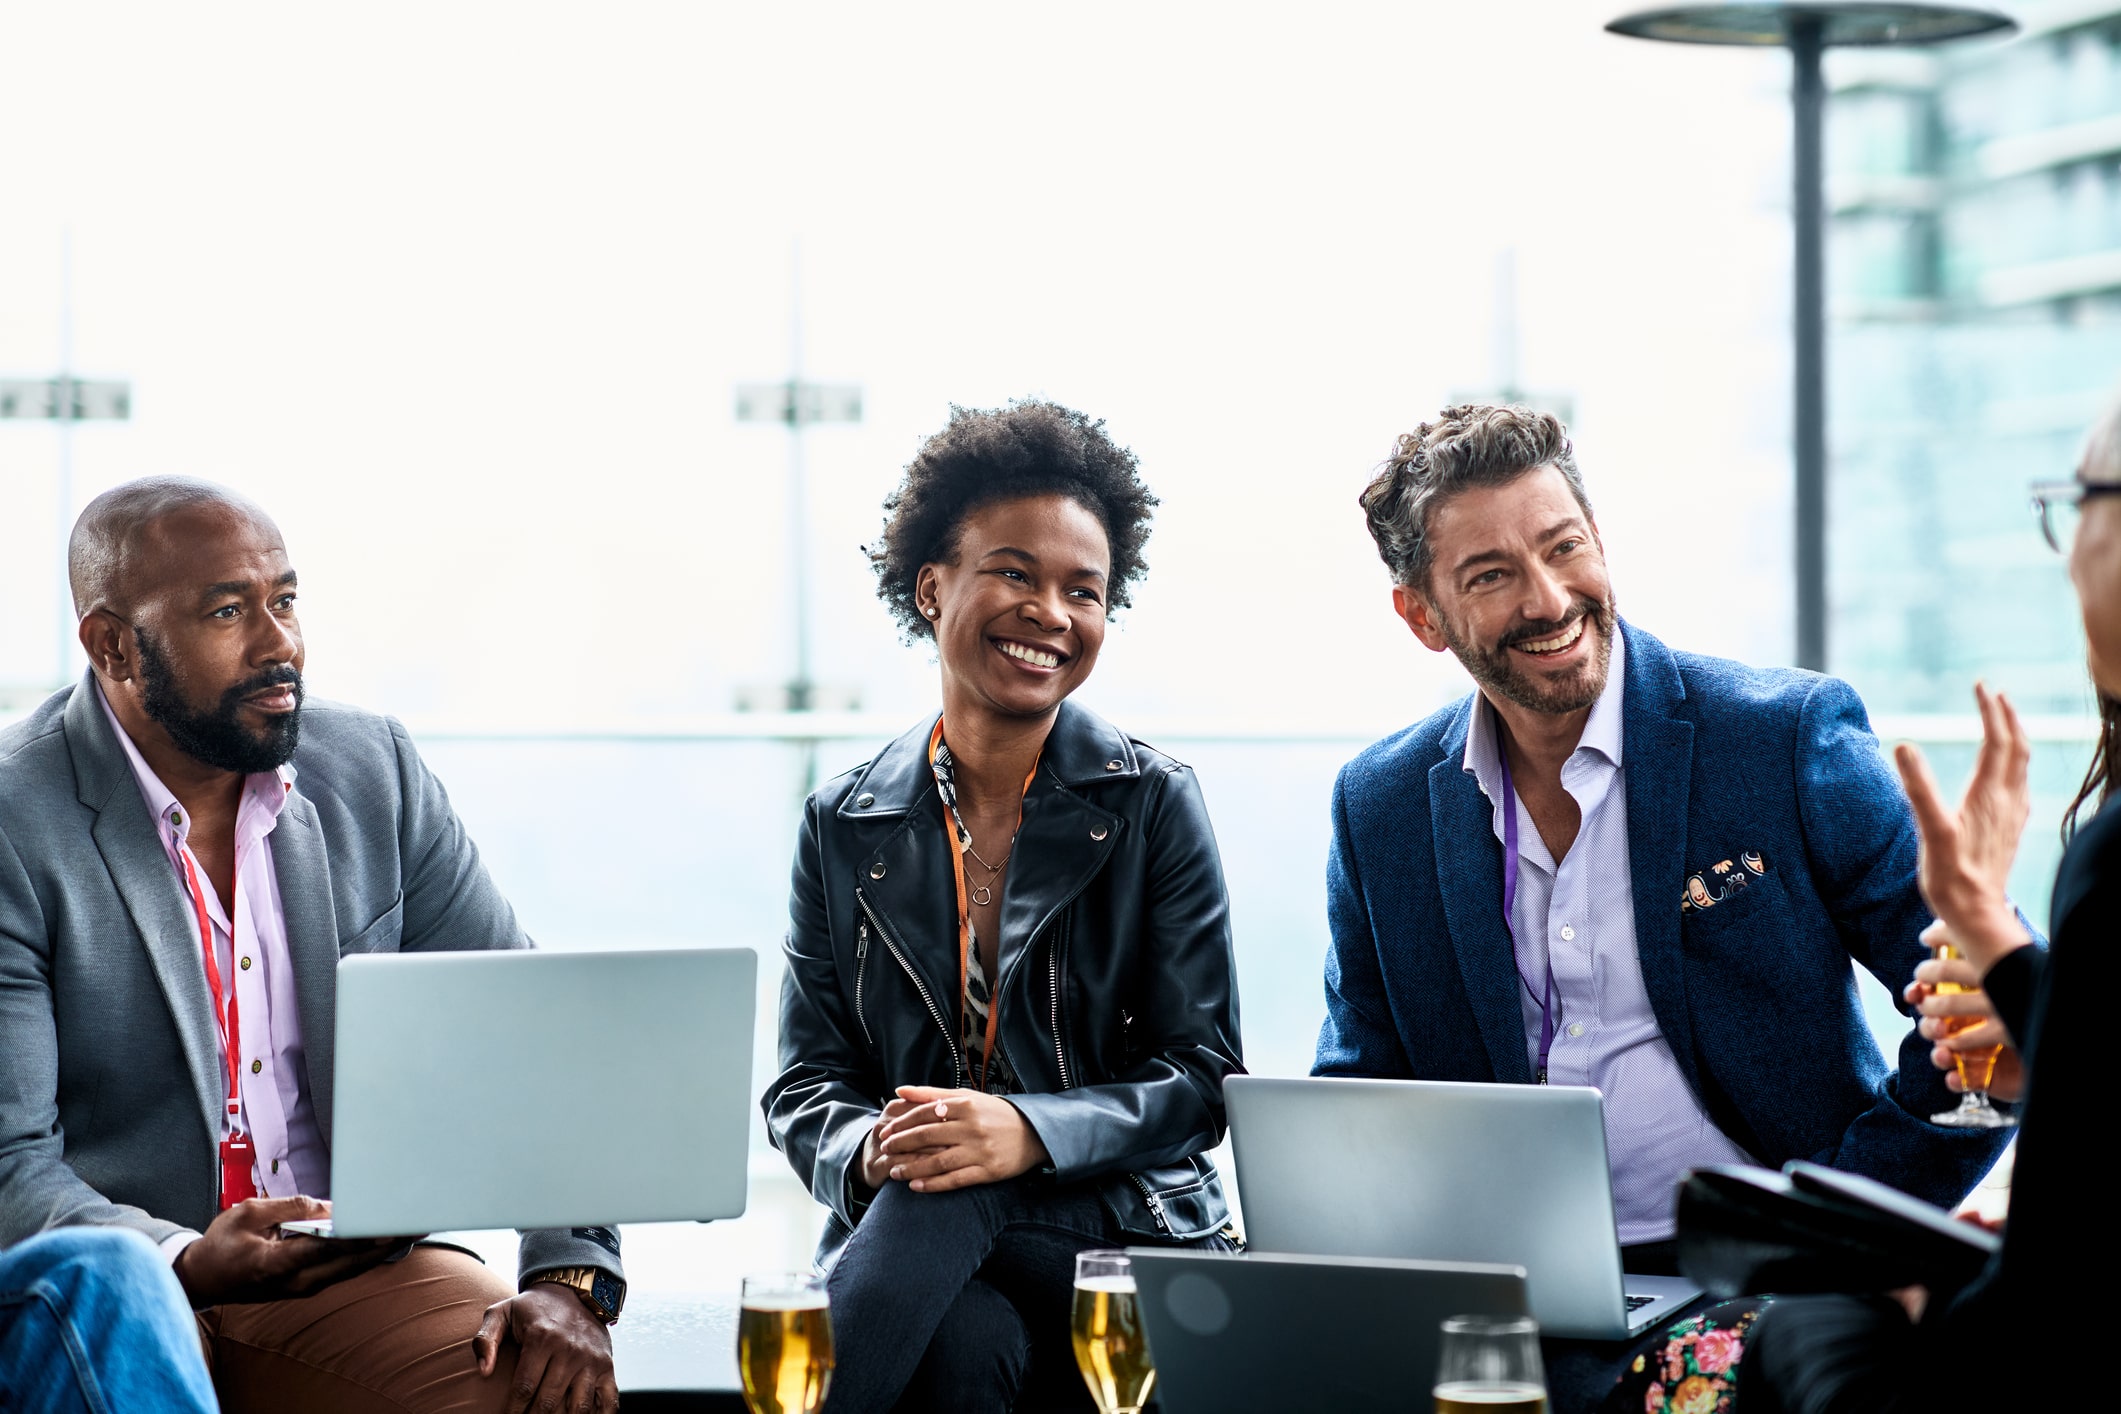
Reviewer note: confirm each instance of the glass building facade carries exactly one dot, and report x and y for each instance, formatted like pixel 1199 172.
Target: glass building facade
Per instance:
pixel 1974 275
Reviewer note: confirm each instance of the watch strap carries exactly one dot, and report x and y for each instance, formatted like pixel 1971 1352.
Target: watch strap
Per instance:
pixel 603 1293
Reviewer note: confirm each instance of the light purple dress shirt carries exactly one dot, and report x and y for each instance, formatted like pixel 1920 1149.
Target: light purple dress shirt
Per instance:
pixel 252 950
pixel 1581 914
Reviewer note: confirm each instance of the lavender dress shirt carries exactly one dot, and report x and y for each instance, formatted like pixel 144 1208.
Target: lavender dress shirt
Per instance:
pixel 251 949
pixel 1580 913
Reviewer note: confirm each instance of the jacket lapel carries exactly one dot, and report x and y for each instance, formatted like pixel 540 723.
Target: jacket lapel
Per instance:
pixel 302 867
pixel 1469 872
pixel 1064 841
pixel 1658 747
pixel 125 836
pixel 1069 837
pixel 895 879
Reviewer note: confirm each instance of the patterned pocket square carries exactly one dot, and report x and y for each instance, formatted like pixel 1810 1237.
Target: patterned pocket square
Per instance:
pixel 1717 883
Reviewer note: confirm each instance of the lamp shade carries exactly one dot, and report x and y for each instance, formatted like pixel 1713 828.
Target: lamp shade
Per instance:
pixel 1853 23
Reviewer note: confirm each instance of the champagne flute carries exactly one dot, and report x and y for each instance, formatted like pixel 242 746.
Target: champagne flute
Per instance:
pixel 1977 1069
pixel 1111 1349
pixel 1490 1365
pixel 784 1343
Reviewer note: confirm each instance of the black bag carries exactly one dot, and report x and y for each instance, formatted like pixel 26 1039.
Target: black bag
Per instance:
pixel 1747 1231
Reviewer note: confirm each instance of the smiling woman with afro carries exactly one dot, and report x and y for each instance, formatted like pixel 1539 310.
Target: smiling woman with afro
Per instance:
pixel 1010 999
pixel 988 455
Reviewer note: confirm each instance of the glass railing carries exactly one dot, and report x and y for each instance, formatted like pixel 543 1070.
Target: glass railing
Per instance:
pixel 682 835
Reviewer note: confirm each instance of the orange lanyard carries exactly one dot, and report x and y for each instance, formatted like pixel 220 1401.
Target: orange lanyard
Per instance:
pixel 964 914
pixel 236 1149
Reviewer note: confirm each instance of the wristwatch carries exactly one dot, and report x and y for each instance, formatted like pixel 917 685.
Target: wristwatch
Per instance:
pixel 603 1293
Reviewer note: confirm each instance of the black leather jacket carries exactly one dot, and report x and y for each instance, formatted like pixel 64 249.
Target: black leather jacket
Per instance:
pixel 1118 987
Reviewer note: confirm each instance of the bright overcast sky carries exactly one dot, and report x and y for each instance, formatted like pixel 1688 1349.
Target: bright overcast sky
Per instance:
pixel 460 292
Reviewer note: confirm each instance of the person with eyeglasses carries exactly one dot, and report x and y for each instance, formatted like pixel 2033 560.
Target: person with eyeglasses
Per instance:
pixel 2012 1338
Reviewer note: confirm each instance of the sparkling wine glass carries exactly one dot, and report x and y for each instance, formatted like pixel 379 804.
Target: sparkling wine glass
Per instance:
pixel 1977 1069
pixel 1490 1365
pixel 1111 1348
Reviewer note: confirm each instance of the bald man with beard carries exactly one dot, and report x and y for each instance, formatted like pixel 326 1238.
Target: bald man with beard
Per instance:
pixel 187 848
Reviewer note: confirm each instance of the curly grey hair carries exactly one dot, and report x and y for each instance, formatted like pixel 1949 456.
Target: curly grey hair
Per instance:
pixel 1472 444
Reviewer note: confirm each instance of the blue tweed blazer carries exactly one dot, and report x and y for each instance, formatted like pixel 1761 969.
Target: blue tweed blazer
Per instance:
pixel 1755 994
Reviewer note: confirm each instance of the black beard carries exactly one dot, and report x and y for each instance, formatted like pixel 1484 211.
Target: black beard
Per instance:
pixel 1499 673
pixel 218 738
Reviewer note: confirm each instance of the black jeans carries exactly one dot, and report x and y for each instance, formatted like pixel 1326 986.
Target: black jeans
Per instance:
pixel 1845 1355
pixel 958 1303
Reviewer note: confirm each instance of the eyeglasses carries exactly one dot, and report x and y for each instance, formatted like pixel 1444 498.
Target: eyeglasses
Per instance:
pixel 2060 504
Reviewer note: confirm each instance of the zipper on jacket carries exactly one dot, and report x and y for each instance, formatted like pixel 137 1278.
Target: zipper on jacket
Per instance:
pixel 1060 1053
pixel 861 966
pixel 1156 1204
pixel 957 1056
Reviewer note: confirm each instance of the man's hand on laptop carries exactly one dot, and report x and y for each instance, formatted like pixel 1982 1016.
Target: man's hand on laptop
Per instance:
pixel 243 1255
pixel 565 1359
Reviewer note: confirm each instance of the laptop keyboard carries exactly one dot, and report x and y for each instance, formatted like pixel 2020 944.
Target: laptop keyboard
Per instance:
pixel 1636 1303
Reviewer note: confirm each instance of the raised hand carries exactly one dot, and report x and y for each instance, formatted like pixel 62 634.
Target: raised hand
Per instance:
pixel 955 1138
pixel 1967 853
pixel 243 1255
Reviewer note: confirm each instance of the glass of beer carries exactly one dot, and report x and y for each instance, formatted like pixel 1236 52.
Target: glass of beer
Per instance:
pixel 1490 1365
pixel 1977 1069
pixel 784 1343
pixel 1111 1348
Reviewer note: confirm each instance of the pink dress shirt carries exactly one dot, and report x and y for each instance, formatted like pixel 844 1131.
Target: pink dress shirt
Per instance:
pixel 252 950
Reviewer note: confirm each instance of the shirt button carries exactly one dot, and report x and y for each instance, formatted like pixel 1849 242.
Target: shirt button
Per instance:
pixel 246 964
pixel 1568 934
pixel 275 1165
pixel 1575 1028
pixel 256 1066
pixel 176 817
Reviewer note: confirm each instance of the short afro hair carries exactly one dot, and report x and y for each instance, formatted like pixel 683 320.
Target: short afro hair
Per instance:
pixel 985 455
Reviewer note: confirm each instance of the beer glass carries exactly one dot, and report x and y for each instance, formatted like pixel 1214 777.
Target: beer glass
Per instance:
pixel 1111 1349
pixel 784 1343
pixel 1977 1069
pixel 1490 1365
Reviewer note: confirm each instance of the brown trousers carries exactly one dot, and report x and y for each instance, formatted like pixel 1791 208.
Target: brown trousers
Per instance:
pixel 394 1340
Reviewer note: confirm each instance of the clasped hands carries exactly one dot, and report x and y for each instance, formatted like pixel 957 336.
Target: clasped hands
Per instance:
pixel 564 1359
pixel 935 1140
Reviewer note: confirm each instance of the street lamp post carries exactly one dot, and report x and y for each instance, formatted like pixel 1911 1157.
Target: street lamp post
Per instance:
pixel 1807 31
pixel 796 404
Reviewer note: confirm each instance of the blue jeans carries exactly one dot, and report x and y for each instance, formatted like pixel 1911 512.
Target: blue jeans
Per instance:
pixel 958 1303
pixel 93 1322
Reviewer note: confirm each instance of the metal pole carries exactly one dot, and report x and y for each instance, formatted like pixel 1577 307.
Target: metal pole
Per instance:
pixel 800 688
pixel 802 691
pixel 63 611
pixel 1808 98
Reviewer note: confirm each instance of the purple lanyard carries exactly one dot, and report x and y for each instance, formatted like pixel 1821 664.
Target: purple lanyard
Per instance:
pixel 1509 916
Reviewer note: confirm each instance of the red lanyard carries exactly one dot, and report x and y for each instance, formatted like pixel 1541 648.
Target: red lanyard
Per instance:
pixel 237 1153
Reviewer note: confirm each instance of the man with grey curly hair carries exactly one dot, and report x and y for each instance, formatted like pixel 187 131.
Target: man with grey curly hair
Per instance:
pixel 1619 865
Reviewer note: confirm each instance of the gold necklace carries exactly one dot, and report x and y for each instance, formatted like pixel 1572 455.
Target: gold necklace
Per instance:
pixel 983 894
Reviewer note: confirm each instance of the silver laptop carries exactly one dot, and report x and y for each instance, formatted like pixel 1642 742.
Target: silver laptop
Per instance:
pixel 1445 1171
pixel 1266 1333
pixel 540 1089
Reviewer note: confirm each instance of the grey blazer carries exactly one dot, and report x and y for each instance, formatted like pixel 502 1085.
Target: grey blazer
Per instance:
pixel 109 1081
